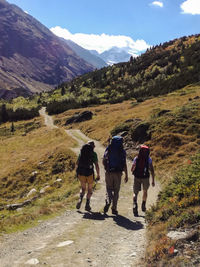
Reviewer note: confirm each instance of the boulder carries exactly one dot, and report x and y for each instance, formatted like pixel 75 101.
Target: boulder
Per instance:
pixel 31 192
pixel 83 116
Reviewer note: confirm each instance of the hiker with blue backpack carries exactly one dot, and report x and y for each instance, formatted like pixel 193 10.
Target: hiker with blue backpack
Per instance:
pixel 141 166
pixel 85 172
pixel 114 162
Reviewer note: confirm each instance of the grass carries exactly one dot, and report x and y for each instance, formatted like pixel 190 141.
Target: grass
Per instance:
pixel 177 207
pixel 111 117
pixel 35 160
pixel 174 138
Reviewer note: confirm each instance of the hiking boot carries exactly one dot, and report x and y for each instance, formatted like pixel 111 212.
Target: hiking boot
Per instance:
pixel 144 206
pixel 78 205
pixel 135 209
pixel 87 206
pixel 106 208
pixel 114 211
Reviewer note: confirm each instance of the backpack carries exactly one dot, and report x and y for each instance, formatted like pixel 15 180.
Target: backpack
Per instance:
pixel 85 161
pixel 115 156
pixel 142 163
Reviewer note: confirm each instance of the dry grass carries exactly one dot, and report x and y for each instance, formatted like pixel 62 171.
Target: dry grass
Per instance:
pixel 46 152
pixel 106 117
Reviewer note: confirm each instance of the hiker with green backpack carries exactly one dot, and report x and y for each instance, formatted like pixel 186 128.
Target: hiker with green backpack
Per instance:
pixel 114 162
pixel 85 172
pixel 141 166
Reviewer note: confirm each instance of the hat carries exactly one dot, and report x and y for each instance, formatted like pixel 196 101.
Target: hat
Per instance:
pixel 91 143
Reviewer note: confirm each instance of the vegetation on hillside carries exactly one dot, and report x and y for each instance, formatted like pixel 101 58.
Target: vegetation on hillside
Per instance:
pixel 177 207
pixel 162 69
pixel 32 157
pixel 19 108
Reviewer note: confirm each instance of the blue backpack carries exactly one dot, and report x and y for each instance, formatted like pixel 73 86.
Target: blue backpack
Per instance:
pixel 115 156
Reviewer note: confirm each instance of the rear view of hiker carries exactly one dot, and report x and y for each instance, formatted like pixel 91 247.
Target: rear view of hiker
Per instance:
pixel 85 171
pixel 142 164
pixel 114 162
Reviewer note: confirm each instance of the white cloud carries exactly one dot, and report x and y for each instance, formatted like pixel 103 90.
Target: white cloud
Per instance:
pixel 191 7
pixel 157 3
pixel 102 42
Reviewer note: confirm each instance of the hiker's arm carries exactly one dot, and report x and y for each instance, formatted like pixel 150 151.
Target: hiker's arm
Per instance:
pixel 133 167
pixel 152 174
pixel 126 173
pixel 97 170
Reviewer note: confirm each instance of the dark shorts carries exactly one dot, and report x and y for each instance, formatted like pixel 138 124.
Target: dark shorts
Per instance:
pixel 140 183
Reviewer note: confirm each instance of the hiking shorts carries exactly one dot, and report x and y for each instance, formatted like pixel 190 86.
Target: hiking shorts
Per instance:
pixel 86 179
pixel 140 182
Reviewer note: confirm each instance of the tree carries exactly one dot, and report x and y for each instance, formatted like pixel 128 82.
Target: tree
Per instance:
pixel 12 127
pixel 63 90
pixel 4 113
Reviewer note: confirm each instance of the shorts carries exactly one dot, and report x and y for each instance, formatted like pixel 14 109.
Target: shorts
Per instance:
pixel 86 179
pixel 140 182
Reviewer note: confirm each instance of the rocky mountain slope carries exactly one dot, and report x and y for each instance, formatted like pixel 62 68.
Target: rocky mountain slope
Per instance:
pixel 32 58
pixel 85 54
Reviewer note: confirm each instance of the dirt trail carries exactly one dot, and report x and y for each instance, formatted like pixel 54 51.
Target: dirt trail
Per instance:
pixel 82 238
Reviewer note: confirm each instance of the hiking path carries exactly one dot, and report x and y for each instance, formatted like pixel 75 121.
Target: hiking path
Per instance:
pixel 80 238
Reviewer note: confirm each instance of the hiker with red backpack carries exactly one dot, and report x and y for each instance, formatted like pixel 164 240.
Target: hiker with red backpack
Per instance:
pixel 142 164
pixel 85 172
pixel 114 162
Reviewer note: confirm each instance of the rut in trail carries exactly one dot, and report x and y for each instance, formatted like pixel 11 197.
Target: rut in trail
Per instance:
pixel 82 238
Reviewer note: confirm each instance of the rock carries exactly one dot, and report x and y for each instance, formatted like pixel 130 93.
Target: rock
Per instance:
pixel 33 261
pixel 34 173
pixel 33 176
pixel 32 191
pixel 43 190
pixel 176 235
pixel 140 134
pixel 65 243
pixel 192 236
pixel 83 116
pixel 162 112
pixel 59 180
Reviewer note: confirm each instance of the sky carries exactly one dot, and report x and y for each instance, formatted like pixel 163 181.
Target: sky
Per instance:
pixel 102 24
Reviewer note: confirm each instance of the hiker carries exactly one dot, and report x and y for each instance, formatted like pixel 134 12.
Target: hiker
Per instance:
pixel 85 172
pixel 142 164
pixel 114 162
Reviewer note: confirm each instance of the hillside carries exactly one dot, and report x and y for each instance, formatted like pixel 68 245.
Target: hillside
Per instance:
pixel 32 58
pixel 160 70
pixel 161 90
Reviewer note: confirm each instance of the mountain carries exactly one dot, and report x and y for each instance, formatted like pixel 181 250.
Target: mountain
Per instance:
pixel 113 55
pixel 85 54
pixel 32 58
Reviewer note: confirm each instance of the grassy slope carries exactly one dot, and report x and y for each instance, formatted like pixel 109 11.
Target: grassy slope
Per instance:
pixel 107 117
pixel 38 150
pixel 50 147
pixel 175 138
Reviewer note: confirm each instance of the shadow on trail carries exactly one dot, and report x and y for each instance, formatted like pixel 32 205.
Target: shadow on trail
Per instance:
pixel 128 224
pixel 93 215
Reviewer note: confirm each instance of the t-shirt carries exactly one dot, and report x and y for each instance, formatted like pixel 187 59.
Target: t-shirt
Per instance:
pixel 94 157
pixel 149 159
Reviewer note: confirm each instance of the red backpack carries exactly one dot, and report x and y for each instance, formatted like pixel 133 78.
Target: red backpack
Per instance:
pixel 142 163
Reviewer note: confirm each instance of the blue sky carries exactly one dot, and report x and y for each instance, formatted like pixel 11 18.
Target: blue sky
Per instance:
pixel 101 24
